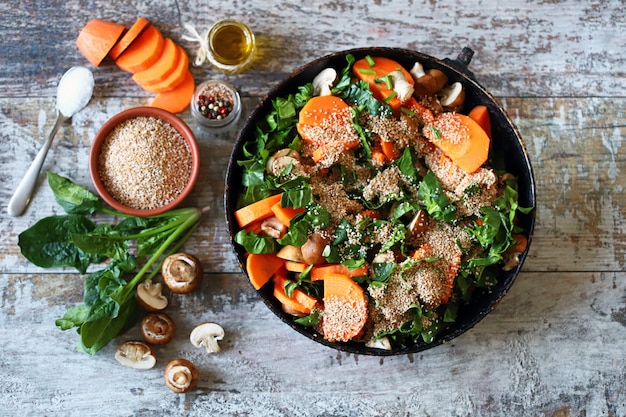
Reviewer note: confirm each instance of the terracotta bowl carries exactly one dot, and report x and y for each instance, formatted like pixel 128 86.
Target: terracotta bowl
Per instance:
pixel 507 145
pixel 178 124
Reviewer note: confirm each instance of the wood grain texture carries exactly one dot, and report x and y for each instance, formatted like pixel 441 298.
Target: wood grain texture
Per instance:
pixel 554 345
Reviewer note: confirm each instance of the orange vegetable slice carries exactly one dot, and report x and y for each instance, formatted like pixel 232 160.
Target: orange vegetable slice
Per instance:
pixel 324 122
pixel 261 267
pixel 381 68
pixel 97 38
pixel 285 214
pixel 345 308
pixel 256 211
pixel 131 34
pixel 480 114
pixel 174 78
pixel 163 67
pixel 299 301
pixel 319 272
pixel 461 139
pixel 143 52
pixel 293 266
pixel 176 100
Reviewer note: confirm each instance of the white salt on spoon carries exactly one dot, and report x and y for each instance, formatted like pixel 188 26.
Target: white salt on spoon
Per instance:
pixel 73 93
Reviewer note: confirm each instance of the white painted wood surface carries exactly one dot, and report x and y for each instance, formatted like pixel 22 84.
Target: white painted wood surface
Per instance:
pixel 555 344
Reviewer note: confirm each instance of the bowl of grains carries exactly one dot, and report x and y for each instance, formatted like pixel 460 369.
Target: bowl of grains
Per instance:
pixel 144 161
pixel 380 200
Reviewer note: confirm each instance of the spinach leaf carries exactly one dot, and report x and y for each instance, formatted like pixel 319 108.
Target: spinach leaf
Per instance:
pixel 254 243
pixel 109 305
pixel 435 201
pixel 48 243
pixel 73 198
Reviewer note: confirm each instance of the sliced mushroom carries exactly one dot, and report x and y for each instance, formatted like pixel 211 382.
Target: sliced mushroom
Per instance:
pixel 157 328
pixel 273 227
pixel 136 355
pixel 417 71
pixel 290 253
pixel 430 83
pixel 182 273
pixel 313 248
pixel 401 85
pixel 382 343
pixel 419 223
pixel 323 82
pixel 207 335
pixel 150 296
pixel 452 97
pixel 282 159
pixel 180 375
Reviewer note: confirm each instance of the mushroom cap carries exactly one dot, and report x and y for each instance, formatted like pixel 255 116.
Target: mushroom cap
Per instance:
pixel 136 355
pixel 157 328
pixel 182 272
pixel 180 375
pixel 207 335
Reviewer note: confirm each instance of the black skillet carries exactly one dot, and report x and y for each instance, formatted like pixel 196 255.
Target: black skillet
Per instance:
pixel 507 148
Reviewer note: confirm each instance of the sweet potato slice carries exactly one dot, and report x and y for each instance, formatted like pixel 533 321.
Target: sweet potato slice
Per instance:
pixel 256 211
pixel 161 69
pixel 131 34
pixel 97 38
pixel 261 267
pixel 372 74
pixel 461 139
pixel 143 52
pixel 345 308
pixel 174 78
pixel 176 100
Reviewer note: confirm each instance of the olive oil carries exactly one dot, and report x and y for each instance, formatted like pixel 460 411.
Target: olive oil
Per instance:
pixel 232 46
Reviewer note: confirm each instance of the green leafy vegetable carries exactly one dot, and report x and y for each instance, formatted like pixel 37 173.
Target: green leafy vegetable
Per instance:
pixel 436 203
pixel 109 305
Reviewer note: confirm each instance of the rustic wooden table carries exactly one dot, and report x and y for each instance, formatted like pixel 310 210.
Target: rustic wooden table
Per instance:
pixel 555 344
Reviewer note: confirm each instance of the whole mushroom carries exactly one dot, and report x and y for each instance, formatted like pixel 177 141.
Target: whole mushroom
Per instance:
pixel 136 355
pixel 182 273
pixel 207 335
pixel 157 328
pixel 180 375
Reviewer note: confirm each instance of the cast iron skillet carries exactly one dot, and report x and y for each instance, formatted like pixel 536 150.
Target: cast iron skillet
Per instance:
pixel 507 148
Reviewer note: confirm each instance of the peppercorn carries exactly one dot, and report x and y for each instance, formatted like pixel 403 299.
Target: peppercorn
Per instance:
pixel 215 103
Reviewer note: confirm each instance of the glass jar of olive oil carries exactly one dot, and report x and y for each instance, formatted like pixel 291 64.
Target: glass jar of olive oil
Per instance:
pixel 231 46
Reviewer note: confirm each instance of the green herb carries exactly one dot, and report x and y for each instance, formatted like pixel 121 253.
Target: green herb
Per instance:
pixel 109 305
pixel 496 227
pixel 367 71
pixel 390 97
pixel 435 201
pixel 436 133
pixel 406 111
pixel 370 61
pixel 311 320
pixel 387 79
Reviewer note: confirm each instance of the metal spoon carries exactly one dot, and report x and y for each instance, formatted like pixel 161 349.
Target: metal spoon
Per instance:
pixel 73 93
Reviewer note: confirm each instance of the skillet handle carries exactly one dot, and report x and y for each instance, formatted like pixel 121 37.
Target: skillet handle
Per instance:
pixel 461 63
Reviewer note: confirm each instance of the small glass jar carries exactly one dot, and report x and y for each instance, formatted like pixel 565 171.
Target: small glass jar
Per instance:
pixel 231 46
pixel 215 104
